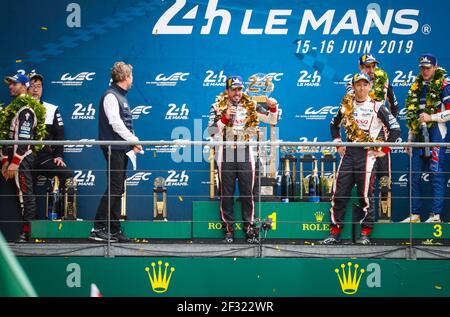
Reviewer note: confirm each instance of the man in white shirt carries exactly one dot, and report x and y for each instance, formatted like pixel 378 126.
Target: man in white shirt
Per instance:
pixel 115 124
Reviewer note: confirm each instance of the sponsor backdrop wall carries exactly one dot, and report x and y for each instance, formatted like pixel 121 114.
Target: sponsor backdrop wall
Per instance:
pixel 182 52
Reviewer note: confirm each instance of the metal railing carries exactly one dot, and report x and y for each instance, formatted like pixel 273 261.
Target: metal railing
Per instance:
pixel 259 144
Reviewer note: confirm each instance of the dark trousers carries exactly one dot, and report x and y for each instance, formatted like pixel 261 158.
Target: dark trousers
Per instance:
pixel 383 166
pixel 24 181
pixel 119 161
pixel 356 167
pixel 229 170
pixel 11 214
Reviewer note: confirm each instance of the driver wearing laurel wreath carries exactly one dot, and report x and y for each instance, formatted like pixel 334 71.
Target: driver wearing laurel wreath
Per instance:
pixel 363 118
pixel 428 102
pixel 22 119
pixel 381 91
pixel 234 117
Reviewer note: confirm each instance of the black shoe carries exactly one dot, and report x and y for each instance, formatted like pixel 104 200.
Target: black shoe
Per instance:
pixel 24 237
pixel 101 235
pixel 363 239
pixel 121 238
pixel 332 239
pixel 228 238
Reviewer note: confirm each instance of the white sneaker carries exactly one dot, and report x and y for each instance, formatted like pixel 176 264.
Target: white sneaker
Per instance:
pixel 412 218
pixel 434 218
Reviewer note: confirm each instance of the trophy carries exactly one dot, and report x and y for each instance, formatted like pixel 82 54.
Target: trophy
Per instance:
pixel 327 182
pixel 159 206
pixel 53 200
pixel 259 89
pixel 265 183
pixel 70 199
pixel 304 181
pixel 123 205
pixel 384 202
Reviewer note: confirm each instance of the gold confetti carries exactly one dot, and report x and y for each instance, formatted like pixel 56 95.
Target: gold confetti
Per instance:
pixel 180 198
pixel 18 61
pixel 60 227
pixel 437 286
pixel 154 154
pixel 44 28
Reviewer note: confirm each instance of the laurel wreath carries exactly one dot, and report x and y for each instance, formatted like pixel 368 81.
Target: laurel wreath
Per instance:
pixel 354 132
pixel 8 113
pixel 251 120
pixel 432 99
pixel 380 85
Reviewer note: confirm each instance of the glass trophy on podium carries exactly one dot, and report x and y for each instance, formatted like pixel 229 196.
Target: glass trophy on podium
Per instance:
pixel 384 199
pixel 159 199
pixel 327 178
pixel 70 199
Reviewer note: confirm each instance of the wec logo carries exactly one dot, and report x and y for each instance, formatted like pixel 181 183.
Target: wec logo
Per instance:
pixel 318 114
pixel 77 148
pixel 80 77
pixel 347 78
pixel 174 77
pixel 76 80
pixel 140 110
pixel 170 80
pixel 137 178
pixel 268 76
pixel 324 110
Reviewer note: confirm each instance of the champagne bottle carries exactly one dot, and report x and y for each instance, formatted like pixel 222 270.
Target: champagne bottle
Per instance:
pixel 54 209
pixel 424 136
pixel 314 185
pixel 287 186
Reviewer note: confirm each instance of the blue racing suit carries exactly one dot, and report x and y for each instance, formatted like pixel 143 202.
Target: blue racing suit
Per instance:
pixel 435 164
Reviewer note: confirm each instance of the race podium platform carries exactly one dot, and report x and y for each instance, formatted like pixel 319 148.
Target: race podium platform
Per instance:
pixel 295 220
pixel 290 221
pixel 188 258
